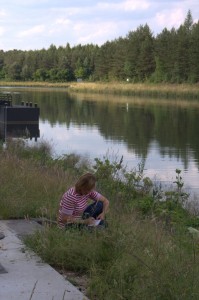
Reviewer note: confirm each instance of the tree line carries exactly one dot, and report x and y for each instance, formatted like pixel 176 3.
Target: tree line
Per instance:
pixel 172 56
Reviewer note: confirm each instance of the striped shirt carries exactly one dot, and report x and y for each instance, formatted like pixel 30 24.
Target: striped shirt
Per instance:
pixel 74 204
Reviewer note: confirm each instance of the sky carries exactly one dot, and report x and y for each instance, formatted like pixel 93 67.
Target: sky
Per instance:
pixel 37 24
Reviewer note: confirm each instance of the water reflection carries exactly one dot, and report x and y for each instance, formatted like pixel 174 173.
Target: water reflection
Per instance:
pixel 82 140
pixel 163 133
pixel 27 131
pixel 88 142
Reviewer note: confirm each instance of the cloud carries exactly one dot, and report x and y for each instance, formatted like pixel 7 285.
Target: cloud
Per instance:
pixel 2 13
pixel 59 26
pixel 97 33
pixel 131 5
pixel 32 31
pixel 2 30
pixel 62 21
pixel 128 5
pixel 170 18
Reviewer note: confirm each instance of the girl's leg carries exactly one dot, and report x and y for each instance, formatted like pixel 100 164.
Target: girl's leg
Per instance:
pixel 93 210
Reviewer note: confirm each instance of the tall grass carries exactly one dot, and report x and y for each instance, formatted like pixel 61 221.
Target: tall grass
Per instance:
pixel 34 84
pixel 132 259
pixel 168 91
pixel 139 256
pixel 174 91
pixel 28 187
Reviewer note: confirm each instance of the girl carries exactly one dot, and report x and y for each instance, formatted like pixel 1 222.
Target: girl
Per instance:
pixel 74 208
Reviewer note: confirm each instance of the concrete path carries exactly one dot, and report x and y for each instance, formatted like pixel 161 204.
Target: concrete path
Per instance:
pixel 23 276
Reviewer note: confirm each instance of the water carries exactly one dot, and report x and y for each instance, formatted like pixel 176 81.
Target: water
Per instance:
pixel 164 134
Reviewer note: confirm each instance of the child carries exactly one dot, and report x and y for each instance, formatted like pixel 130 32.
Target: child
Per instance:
pixel 74 208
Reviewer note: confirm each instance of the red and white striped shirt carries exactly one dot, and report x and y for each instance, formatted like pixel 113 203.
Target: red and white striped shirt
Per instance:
pixel 74 204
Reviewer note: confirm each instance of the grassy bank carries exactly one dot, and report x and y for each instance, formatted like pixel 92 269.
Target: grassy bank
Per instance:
pixel 32 84
pixel 146 252
pixel 185 91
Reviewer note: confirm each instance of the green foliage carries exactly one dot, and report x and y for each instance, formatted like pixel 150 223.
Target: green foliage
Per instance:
pixel 180 195
pixel 14 71
pixel 107 170
pixel 58 75
pixel 159 75
pixel 40 75
pixel 145 205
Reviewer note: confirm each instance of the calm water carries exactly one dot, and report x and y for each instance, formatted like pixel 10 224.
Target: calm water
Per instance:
pixel 165 134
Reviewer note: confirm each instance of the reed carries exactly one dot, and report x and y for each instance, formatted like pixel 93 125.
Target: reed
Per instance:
pixel 32 84
pixel 176 91
pixel 140 89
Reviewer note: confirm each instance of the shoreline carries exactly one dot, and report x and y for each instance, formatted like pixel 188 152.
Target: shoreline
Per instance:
pixel 190 91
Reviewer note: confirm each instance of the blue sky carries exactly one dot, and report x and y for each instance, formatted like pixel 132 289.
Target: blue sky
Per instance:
pixel 36 24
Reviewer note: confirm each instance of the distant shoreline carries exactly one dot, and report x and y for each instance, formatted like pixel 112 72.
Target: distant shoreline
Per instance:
pixel 190 91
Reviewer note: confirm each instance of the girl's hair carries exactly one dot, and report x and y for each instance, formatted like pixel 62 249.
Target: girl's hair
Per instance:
pixel 85 183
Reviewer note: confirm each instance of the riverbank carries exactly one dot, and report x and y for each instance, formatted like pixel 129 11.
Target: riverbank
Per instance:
pixel 185 91
pixel 148 239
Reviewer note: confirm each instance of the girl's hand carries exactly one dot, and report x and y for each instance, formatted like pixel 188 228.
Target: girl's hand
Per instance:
pixel 101 216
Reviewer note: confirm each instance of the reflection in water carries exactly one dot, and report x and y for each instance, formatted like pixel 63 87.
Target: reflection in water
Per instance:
pixel 163 133
pixel 88 142
pixel 82 140
pixel 14 130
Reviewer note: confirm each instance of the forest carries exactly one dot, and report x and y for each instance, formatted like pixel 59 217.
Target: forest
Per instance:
pixel 170 57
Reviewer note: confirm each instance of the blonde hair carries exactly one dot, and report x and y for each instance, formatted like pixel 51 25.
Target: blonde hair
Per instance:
pixel 85 183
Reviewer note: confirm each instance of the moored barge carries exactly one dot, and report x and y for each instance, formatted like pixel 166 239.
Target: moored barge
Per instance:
pixel 18 120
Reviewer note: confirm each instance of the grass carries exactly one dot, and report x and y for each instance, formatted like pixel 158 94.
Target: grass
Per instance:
pixel 33 84
pixel 185 91
pixel 140 89
pixel 139 256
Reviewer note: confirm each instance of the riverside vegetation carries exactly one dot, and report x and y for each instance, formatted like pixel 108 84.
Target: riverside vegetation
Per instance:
pixel 150 90
pixel 147 251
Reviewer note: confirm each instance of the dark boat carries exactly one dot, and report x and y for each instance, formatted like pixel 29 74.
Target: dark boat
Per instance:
pixel 18 120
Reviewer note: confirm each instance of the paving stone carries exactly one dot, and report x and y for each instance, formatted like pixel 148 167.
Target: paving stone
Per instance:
pixel 24 275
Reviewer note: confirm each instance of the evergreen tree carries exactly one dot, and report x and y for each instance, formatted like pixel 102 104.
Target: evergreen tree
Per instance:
pixel 183 49
pixel 194 54
pixel 165 51
pixel 140 53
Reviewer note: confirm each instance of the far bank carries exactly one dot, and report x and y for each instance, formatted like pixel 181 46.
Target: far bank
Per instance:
pixel 185 91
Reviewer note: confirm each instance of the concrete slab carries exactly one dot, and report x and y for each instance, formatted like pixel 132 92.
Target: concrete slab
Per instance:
pixel 27 277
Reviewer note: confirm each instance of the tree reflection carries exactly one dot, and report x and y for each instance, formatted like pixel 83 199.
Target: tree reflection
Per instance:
pixel 172 125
